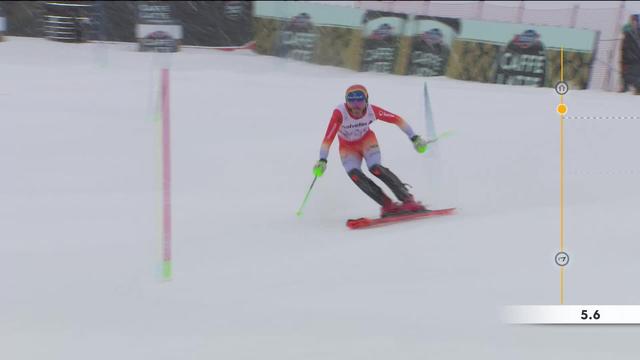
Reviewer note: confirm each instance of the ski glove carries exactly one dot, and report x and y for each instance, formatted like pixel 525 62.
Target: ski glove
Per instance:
pixel 319 168
pixel 419 144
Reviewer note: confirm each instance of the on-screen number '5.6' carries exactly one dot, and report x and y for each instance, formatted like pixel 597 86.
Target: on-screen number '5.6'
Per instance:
pixel 585 315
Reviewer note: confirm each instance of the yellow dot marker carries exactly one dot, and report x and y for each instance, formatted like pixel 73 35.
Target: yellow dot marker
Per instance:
pixel 561 109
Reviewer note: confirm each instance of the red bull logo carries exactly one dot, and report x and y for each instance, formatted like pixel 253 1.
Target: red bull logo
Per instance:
pixel 300 22
pixel 383 32
pixel 526 39
pixel 432 37
pixel 158 35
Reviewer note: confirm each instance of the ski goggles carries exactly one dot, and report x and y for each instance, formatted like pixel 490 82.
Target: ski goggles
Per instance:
pixel 356 102
pixel 356 98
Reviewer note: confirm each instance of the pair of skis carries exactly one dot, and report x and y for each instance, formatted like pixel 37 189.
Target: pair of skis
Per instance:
pixel 365 222
pixel 362 223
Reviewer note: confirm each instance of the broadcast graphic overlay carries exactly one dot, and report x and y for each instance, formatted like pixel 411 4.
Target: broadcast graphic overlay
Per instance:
pixel 563 314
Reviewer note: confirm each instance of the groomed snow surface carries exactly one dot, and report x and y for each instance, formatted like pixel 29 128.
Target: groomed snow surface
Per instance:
pixel 81 198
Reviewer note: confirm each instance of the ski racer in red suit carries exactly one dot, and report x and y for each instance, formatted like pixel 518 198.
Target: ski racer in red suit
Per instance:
pixel 350 121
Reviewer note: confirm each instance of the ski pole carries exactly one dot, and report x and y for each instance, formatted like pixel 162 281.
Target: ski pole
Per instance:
pixel 306 197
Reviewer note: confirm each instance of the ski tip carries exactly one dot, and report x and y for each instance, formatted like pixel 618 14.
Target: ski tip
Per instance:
pixel 358 223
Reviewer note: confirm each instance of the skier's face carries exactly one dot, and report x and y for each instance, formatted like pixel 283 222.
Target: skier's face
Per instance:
pixel 357 103
pixel 357 106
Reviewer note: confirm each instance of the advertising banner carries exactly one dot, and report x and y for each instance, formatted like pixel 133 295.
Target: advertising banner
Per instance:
pixel 297 38
pixel 116 21
pixel 157 29
pixel 382 32
pixel 520 54
pixel 316 33
pixel 522 61
pixel 430 44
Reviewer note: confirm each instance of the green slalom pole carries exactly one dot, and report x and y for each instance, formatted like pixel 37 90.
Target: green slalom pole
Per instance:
pixel 306 197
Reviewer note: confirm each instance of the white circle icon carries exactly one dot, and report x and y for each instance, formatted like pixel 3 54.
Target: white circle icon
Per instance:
pixel 562 258
pixel 562 88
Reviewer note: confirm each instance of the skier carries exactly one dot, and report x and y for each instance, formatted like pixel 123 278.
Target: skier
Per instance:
pixel 350 121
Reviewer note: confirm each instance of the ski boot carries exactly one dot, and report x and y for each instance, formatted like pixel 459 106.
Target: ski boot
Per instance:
pixel 400 190
pixel 409 205
pixel 390 208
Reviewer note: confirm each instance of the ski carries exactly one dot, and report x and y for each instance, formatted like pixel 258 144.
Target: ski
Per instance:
pixel 364 222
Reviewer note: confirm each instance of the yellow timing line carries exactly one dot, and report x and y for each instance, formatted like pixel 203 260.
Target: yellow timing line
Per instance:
pixel 561 179
pixel 561 64
pixel 562 286
pixel 561 182
pixel 561 71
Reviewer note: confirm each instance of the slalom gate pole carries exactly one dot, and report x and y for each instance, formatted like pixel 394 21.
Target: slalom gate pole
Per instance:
pixel 166 179
pixel 428 114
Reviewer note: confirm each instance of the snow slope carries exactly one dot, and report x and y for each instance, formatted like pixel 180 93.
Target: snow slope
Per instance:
pixel 80 224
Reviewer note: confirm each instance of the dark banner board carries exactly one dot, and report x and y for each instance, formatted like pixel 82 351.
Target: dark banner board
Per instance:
pixel 215 23
pixel 23 18
pixel 116 21
pixel 3 22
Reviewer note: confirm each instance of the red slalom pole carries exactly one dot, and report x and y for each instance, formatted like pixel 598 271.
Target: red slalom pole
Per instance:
pixel 166 178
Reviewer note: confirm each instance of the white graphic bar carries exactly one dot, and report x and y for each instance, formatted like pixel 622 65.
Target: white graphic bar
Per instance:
pixel 572 314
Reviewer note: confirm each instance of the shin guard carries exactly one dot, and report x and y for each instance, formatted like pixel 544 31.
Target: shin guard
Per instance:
pixel 391 180
pixel 369 187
